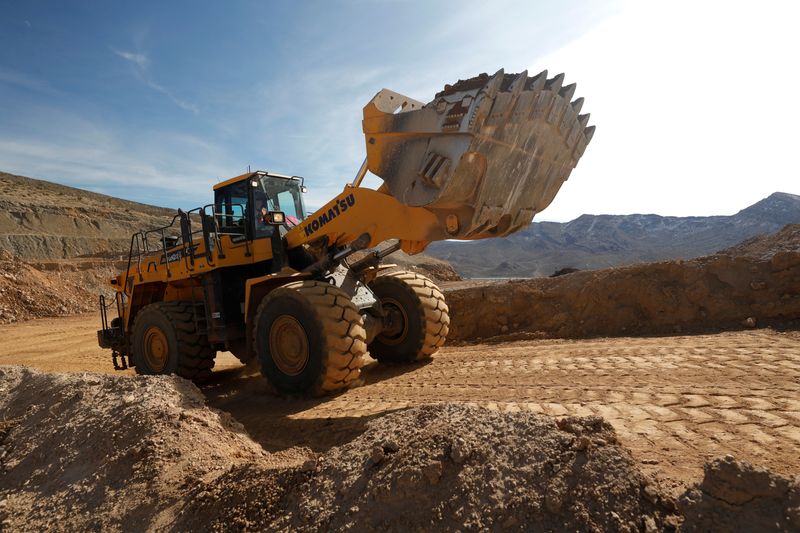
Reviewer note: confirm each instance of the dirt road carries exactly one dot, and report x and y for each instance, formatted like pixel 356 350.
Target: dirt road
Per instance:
pixel 675 401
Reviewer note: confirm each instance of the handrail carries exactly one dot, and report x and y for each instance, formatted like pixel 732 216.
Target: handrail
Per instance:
pixel 141 238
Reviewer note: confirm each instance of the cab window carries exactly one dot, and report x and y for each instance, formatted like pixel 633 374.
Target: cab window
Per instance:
pixel 286 203
pixel 231 207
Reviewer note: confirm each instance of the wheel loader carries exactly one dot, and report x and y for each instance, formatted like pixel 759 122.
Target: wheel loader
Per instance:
pixel 305 295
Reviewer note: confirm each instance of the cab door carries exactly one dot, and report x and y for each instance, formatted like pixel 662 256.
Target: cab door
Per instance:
pixel 231 206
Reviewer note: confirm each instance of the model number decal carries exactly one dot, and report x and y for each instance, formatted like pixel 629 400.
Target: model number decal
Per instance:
pixel 177 255
pixel 337 209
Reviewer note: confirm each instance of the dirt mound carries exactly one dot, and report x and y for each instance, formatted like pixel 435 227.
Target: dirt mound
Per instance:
pixel 426 265
pixel 84 451
pixel 436 269
pixel 447 467
pixel 93 452
pixel 719 291
pixel 764 247
pixel 89 452
pixel 55 288
pixel 736 496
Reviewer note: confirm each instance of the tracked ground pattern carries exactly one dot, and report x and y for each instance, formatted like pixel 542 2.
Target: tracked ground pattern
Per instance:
pixel 675 401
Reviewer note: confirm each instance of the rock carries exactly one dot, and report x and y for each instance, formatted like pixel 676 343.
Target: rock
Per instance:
pixel 582 443
pixel 459 451
pixel 553 501
pixel 390 446
pixel 651 494
pixel 749 322
pixel 377 455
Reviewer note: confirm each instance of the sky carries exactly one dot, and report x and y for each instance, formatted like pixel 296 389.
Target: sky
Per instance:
pixel 694 102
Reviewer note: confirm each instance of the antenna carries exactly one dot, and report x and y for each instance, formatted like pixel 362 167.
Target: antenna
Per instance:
pixel 248 168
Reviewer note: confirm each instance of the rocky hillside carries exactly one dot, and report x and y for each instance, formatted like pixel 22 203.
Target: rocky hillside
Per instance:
pixel 600 241
pixel 40 220
pixel 765 246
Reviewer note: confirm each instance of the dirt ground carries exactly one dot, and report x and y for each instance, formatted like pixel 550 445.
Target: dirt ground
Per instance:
pixel 675 402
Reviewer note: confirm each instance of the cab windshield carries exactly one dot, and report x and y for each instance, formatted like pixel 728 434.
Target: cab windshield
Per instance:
pixel 281 194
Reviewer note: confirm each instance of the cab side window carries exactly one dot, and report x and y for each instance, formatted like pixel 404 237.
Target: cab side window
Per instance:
pixel 231 207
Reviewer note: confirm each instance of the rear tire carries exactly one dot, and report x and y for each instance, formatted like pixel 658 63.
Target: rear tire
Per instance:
pixel 309 338
pixel 165 341
pixel 417 318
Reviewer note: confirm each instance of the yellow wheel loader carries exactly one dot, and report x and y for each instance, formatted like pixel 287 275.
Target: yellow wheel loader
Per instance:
pixel 252 273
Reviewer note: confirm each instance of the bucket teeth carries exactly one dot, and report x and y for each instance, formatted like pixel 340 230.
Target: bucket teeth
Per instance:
pixel 536 83
pixel 577 105
pixel 589 133
pixel 554 84
pixel 519 82
pixel 583 120
pixel 568 91
pixel 495 83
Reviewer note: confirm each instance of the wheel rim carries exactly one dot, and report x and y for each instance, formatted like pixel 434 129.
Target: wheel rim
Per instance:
pixel 288 345
pixel 156 349
pixel 395 323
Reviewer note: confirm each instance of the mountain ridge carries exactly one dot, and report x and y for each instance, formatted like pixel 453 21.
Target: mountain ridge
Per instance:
pixel 601 241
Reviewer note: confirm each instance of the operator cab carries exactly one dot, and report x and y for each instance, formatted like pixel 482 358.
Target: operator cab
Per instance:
pixel 246 202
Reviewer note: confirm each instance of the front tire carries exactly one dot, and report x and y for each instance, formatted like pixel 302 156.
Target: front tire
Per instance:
pixel 165 341
pixel 417 319
pixel 309 338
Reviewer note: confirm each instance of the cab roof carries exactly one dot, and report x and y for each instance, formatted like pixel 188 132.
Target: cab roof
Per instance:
pixel 249 175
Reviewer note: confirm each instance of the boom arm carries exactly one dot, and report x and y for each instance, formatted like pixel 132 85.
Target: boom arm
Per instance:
pixel 356 211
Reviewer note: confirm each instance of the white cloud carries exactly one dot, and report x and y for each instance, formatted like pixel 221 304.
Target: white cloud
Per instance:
pixel 140 60
pixel 162 168
pixel 183 104
pixel 141 63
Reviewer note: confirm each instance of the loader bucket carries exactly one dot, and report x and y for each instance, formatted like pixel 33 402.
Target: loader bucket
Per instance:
pixel 485 155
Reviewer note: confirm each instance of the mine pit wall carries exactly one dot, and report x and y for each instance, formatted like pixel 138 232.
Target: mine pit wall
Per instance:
pixel 670 297
pixel 43 247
